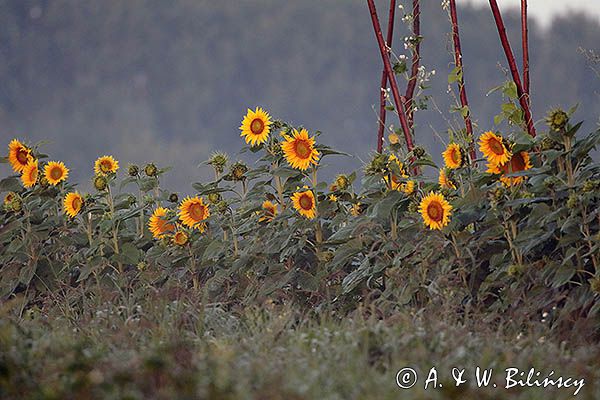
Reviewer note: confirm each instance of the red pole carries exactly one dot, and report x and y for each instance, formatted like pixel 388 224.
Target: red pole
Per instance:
pixel 416 58
pixel 390 36
pixel 464 102
pixel 525 43
pixel 398 100
pixel 513 66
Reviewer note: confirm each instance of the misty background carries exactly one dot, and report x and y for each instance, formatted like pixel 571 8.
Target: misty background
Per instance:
pixel 169 81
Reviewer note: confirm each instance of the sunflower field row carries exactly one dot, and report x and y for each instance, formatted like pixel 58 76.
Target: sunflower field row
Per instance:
pixel 516 231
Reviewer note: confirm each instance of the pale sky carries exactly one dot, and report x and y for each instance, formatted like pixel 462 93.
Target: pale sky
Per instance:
pixel 544 10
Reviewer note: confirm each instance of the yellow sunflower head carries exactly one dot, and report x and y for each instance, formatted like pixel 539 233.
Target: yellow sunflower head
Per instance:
pixel 518 162
pixel 304 203
pixel 192 213
pixel 72 204
pixel 19 155
pixel 453 156
pixel 392 179
pixel 408 188
pixel 55 172
pixel 333 198
pixel 493 148
pixel 159 223
pixel 444 181
pixel 269 211
pixel 30 173
pixel 180 238
pixel 105 165
pixel 256 126
pixel 299 150
pixel 435 211
pixel 9 198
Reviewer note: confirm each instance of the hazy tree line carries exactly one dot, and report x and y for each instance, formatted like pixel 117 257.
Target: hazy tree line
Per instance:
pixel 169 81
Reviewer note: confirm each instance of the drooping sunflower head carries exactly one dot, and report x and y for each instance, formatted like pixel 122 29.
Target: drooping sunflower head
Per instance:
pixel 493 148
pixel 453 156
pixel 193 212
pixel 105 165
pixel 396 174
pixel 180 238
pixel 55 172
pixel 518 162
pixel 256 126
pixel 159 223
pixel 342 182
pixel 299 150
pixel 269 211
pixel 30 173
pixel 72 204
pixel 304 203
pixel 444 181
pixel 435 211
pixel 19 155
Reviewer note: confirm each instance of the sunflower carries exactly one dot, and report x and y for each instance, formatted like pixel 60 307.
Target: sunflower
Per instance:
pixel 105 165
pixel 180 238
pixel 493 148
pixel 355 209
pixel 408 188
pixel 394 181
pixel 159 224
pixel 9 198
pixel 29 175
pixel 19 155
pixel 72 204
pixel 453 156
pixel 299 150
pixel 269 211
pixel 192 211
pixel 444 181
pixel 55 172
pixel 333 198
pixel 256 126
pixel 304 202
pixel 435 210
pixel 518 162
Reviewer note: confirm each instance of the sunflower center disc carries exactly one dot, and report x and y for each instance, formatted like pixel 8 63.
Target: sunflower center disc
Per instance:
pixel 22 156
pixel 197 212
pixel 257 126
pixel 56 173
pixel 105 166
pixel 496 147
pixel 455 157
pixel 76 205
pixel 302 150
pixel 33 175
pixel 305 202
pixel 435 212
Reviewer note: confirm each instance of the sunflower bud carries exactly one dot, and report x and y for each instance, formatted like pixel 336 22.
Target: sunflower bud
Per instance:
pixel 173 198
pixel 548 143
pixel 573 201
pixel 515 270
pixel 9 198
pixel 141 266
pixel 214 198
pixel 44 182
pixel 148 200
pixel 413 207
pixel 100 182
pixel 16 204
pixel 133 170
pixel 557 120
pixel 131 200
pixel 238 170
pixel 377 165
pixel 151 170
pixel 218 161
pixel 222 207
pixel 590 186
pixel 551 182
pixel 180 238
pixel 419 152
pixel 393 138
pixel 342 182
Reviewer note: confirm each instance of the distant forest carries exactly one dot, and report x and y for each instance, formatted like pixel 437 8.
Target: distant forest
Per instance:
pixel 169 81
